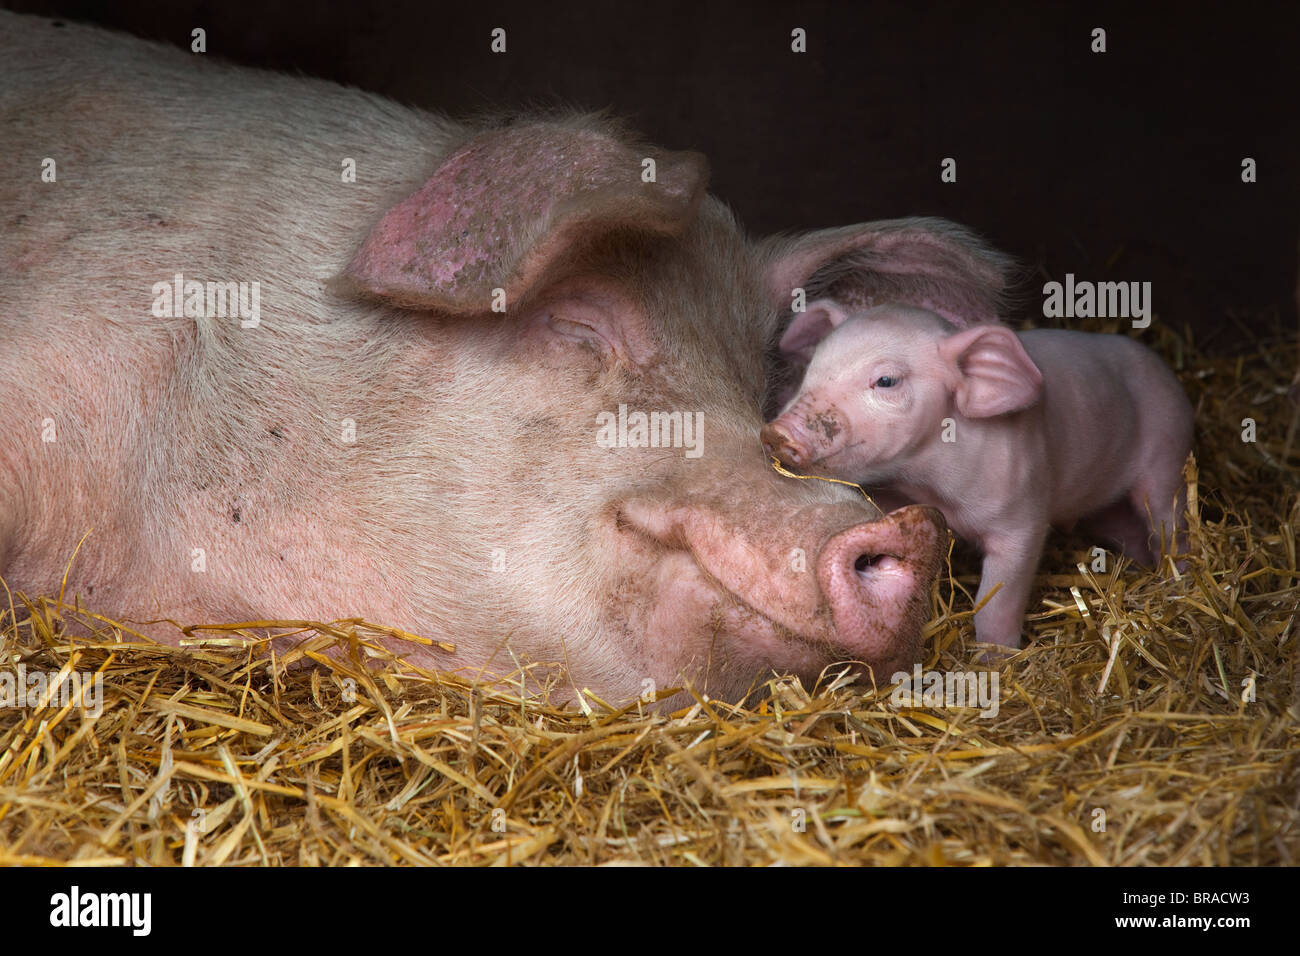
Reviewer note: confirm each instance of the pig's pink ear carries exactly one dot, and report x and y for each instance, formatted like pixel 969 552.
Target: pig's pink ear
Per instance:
pixel 993 373
pixel 809 327
pixel 510 203
pixel 925 262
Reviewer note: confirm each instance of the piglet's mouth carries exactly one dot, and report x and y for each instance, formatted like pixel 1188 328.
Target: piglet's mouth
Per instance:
pixel 826 462
pixel 807 456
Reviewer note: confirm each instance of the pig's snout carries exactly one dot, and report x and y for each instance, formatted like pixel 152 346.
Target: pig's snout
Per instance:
pixel 782 440
pixel 866 600
pixel 876 578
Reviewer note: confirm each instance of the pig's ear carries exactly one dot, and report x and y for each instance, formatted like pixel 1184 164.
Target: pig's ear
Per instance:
pixel 992 372
pixel 925 262
pixel 809 327
pixel 510 203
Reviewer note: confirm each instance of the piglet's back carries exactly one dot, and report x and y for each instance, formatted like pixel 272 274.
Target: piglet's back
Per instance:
pixel 1105 399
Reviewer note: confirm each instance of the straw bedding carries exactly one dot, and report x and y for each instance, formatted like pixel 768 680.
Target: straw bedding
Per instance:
pixel 1153 719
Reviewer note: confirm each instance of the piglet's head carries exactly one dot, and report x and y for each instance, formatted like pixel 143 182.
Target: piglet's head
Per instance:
pixel 880 382
pixel 875 387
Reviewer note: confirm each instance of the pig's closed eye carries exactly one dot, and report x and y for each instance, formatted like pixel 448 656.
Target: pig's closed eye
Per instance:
pixel 577 331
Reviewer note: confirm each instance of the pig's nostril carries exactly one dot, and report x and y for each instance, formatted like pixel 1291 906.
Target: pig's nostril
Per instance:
pixel 867 563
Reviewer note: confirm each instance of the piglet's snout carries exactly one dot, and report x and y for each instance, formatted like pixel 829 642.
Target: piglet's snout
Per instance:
pixel 784 440
pixel 876 578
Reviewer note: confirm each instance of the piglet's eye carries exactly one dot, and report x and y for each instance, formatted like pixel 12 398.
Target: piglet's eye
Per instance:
pixel 885 381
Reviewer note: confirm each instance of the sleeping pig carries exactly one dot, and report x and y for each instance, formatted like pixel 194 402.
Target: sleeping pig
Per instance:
pixel 273 349
pixel 1006 433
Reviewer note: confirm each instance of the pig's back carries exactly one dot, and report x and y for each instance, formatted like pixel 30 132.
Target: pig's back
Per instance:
pixel 170 162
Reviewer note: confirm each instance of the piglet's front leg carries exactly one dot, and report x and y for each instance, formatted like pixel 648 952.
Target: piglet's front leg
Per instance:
pixel 1010 558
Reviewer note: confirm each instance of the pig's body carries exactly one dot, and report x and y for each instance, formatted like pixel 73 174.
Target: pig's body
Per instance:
pixel 165 428
pixel 381 443
pixel 1005 439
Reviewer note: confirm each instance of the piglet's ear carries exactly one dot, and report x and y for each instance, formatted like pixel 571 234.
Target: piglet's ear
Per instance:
pixel 993 373
pixel 510 204
pixel 809 327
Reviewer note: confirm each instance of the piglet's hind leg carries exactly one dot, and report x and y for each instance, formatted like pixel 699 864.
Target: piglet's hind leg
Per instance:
pixel 1119 524
pixel 1161 499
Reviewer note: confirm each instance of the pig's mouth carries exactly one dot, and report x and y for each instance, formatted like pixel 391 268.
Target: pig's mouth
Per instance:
pixel 832 456
pixel 862 597
pixel 673 542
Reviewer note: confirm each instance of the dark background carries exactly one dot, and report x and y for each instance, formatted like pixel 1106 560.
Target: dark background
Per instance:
pixel 1125 165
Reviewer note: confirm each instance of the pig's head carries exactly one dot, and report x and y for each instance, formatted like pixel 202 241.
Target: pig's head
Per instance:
pixel 582 394
pixel 881 382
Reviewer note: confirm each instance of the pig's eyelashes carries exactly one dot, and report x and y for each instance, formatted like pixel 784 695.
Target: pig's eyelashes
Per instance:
pixel 578 332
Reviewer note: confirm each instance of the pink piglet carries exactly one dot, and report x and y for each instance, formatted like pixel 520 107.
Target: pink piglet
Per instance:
pixel 1007 434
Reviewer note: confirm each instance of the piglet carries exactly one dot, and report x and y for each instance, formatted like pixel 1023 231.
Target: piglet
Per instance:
pixel 1007 434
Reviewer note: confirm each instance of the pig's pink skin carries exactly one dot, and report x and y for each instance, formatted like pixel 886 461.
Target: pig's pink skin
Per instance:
pixel 473 504
pixel 1051 428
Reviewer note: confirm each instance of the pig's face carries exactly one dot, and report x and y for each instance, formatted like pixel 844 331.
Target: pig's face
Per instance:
pixel 633 563
pixel 875 390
